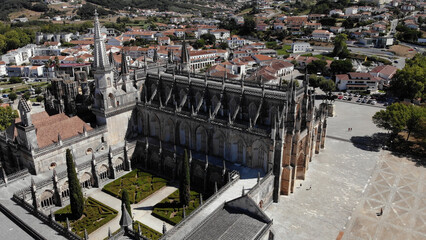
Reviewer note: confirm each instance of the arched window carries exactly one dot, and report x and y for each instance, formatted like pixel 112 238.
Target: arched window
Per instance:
pixel 184 135
pixel 219 144
pixel 169 132
pixel 89 151
pixel 252 111
pixel 201 139
pixel 154 126
pixel 111 100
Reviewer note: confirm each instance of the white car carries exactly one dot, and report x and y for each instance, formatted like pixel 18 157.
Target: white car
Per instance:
pixel 373 102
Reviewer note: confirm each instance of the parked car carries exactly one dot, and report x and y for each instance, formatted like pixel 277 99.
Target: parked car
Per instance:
pixel 340 97
pixel 359 100
pixel 349 98
pixel 373 102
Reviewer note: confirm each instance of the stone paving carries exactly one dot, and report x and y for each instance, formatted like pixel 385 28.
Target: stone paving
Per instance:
pixel 338 176
pixel 141 211
pixel 398 188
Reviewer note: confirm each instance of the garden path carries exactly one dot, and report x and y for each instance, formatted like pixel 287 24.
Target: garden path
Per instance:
pixel 141 211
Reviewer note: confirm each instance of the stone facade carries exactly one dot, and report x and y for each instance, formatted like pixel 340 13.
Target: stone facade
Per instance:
pixel 147 119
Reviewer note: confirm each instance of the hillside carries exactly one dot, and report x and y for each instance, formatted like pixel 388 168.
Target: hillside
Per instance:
pixel 161 5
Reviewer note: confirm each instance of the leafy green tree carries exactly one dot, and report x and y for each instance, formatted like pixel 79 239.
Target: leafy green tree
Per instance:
pixel 3 43
pixel 14 80
pixel 416 120
pixel 27 95
pixel 200 43
pixel 39 98
pixel 184 187
pixel 341 66
pixel 208 38
pixel 394 118
pixel 327 85
pixel 37 90
pixel 126 201
pixel 223 45
pixel 317 66
pixel 13 96
pixel 314 80
pixel 340 47
pixel 76 195
pixel 7 115
pixel 410 82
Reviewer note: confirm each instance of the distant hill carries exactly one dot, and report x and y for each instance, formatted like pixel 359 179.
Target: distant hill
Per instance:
pixel 161 5
pixel 8 6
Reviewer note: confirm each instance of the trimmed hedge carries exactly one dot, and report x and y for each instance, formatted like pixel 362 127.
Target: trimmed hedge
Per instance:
pixel 95 214
pixel 146 231
pixel 138 187
pixel 170 209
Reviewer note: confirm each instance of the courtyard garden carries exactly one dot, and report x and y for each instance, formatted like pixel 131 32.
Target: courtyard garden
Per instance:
pixel 145 230
pixel 95 214
pixel 138 184
pixel 170 208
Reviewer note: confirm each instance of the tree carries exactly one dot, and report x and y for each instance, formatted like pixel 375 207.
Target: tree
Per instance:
pixel 341 66
pixel 39 98
pixel 7 115
pixel 316 66
pixel 416 120
pixel 184 187
pixel 327 85
pixel 14 80
pixel 13 96
pixel 37 90
pixel 314 81
pixel 126 201
pixel 410 82
pixel 208 38
pixel 76 195
pixel 27 95
pixel 340 47
pixel 394 118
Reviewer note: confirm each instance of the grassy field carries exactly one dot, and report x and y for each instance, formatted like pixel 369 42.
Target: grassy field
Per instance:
pixel 170 208
pixel 283 50
pixel 319 56
pixel 94 216
pixel 138 184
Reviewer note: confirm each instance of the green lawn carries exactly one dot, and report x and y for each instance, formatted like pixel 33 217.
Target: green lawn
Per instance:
pixel 283 50
pixel 94 216
pixel 146 231
pixel 170 209
pixel 319 56
pixel 138 184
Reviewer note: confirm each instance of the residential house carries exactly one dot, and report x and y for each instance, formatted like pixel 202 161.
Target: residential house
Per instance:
pixel 322 35
pixel 300 47
pixel 220 34
pixel 3 71
pixel 355 81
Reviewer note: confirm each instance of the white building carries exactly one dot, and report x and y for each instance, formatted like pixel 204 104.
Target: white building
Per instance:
pixel 220 34
pixel 355 81
pixel 235 41
pixel 300 47
pixel 3 71
pixel 20 55
pixel 351 11
pixel 322 35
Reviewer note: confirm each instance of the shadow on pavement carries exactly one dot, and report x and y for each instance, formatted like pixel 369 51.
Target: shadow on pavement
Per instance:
pixel 371 143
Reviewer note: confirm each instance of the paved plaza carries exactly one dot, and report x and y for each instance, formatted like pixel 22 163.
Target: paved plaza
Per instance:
pixel 397 188
pixel 341 196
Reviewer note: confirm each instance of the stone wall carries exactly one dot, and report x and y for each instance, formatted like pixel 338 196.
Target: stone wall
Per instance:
pixel 262 193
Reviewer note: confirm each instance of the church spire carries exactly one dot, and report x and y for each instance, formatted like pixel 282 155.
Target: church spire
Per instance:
pixel 184 57
pixel 101 59
pixel 124 65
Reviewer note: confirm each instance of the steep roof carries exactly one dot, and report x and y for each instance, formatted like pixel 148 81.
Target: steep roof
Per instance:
pixel 240 218
pixel 49 127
